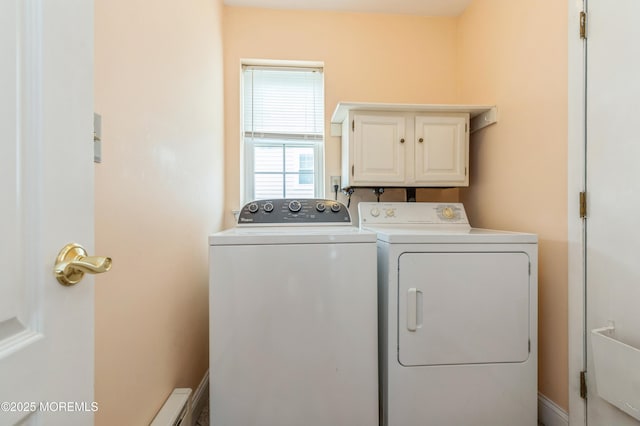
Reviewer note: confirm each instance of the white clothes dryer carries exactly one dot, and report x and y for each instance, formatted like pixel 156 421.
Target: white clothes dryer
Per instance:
pixel 293 318
pixel 457 318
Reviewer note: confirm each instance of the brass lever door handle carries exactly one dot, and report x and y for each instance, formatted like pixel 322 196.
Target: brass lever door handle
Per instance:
pixel 72 263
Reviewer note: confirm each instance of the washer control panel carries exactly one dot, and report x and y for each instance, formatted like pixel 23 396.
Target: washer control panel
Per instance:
pixel 294 211
pixel 407 213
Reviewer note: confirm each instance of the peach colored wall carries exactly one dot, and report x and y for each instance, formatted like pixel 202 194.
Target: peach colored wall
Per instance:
pixel 159 194
pixel 514 54
pixel 367 57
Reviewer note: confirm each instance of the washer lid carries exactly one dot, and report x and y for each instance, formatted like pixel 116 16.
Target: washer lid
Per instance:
pixel 292 235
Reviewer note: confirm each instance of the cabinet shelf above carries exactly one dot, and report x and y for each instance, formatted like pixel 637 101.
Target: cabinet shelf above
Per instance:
pixel 481 115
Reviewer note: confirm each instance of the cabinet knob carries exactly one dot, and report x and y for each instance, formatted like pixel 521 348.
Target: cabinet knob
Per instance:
pixel 402 140
pixel 420 140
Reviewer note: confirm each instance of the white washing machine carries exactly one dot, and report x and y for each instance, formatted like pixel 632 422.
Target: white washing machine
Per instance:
pixel 293 318
pixel 458 318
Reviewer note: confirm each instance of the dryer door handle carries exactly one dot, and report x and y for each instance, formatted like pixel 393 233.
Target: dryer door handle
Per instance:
pixel 413 310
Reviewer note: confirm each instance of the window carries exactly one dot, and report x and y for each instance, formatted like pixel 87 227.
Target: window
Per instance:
pixel 306 169
pixel 283 130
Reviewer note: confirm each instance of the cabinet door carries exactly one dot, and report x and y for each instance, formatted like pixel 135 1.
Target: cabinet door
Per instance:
pixel 378 149
pixel 441 150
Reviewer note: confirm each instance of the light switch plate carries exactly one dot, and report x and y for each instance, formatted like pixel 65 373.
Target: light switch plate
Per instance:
pixel 97 138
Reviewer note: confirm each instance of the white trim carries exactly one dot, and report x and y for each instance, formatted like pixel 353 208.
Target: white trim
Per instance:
pixel 281 63
pixel 200 398
pixel 575 184
pixel 480 116
pixel 550 414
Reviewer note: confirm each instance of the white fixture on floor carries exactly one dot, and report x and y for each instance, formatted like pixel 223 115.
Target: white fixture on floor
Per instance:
pixel 176 409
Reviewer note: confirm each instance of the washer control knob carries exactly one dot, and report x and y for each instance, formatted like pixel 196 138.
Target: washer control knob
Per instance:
pixel 253 207
pixel 268 207
pixel 390 213
pixel 335 207
pixel 375 212
pixel 321 207
pixel 295 206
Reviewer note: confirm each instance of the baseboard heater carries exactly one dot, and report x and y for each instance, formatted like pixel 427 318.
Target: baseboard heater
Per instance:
pixel 176 409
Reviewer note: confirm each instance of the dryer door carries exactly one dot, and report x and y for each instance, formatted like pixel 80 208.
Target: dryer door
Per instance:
pixel 463 308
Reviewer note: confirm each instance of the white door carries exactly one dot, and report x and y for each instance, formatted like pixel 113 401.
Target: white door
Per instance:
pixel 379 144
pixel 46 199
pixel 441 150
pixel 613 225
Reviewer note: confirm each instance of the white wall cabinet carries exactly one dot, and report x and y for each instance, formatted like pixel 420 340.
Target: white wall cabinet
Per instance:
pixel 405 149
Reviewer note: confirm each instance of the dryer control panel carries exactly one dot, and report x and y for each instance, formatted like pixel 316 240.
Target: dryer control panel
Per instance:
pixel 412 213
pixel 303 211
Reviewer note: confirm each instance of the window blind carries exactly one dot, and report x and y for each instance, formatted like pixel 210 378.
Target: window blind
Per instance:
pixel 283 102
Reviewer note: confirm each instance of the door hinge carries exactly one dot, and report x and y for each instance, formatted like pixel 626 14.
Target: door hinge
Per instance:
pixel 353 125
pixel 352 168
pixel 583 205
pixel 529 345
pixel 529 268
pixel 583 25
pixel 466 127
pixel 583 384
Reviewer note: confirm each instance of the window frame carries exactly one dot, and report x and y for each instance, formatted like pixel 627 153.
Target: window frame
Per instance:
pixel 247 158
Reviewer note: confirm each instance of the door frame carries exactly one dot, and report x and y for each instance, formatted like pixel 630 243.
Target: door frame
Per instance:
pixel 576 177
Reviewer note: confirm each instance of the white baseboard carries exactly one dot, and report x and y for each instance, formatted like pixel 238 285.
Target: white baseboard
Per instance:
pixel 200 398
pixel 550 414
